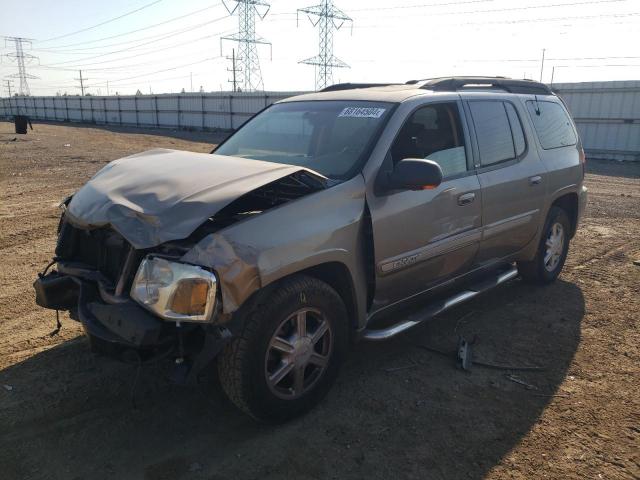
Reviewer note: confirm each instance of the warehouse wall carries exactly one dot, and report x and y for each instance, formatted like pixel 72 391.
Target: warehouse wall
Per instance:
pixel 188 110
pixel 607 115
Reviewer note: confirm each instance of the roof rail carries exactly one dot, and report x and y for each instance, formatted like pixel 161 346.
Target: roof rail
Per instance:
pixel 452 84
pixel 352 86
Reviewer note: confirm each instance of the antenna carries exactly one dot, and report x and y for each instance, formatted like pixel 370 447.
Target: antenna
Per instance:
pixel 328 17
pixel 248 41
pixel 20 57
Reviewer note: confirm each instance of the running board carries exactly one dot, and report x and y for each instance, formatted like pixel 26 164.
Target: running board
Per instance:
pixel 434 309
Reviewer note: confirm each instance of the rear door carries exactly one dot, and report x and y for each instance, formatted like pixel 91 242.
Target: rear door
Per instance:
pixel 423 237
pixel 511 176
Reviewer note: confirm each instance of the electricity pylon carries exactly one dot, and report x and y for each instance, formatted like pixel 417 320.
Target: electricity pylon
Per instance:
pixel 19 57
pixel 328 18
pixel 247 58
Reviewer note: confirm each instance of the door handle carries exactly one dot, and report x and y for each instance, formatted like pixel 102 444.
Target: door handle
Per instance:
pixel 536 180
pixel 466 198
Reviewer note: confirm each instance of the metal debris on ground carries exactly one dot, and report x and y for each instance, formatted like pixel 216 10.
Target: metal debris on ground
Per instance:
pixel 519 381
pixel 404 367
pixel 8 388
pixel 464 354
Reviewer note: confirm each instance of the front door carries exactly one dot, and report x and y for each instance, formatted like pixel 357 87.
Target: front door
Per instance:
pixel 424 237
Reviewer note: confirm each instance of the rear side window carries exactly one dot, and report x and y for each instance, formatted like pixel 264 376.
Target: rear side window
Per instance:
pixel 552 124
pixel 493 131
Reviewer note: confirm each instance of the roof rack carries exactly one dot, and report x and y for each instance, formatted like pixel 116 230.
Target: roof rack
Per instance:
pixel 351 86
pixel 452 84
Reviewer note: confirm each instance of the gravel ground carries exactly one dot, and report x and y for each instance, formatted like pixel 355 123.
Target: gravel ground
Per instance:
pixel 397 410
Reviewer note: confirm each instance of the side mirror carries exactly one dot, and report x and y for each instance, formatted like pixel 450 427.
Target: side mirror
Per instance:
pixel 415 174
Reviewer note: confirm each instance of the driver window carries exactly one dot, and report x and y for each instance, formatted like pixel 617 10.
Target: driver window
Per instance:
pixel 434 133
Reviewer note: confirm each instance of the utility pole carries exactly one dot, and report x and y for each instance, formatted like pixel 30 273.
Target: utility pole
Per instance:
pixel 234 70
pixel 542 64
pixel 21 59
pixel 107 88
pixel 81 82
pixel 9 85
pixel 327 17
pixel 191 78
pixel 248 41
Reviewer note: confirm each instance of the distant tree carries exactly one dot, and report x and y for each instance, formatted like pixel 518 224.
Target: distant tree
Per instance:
pixel 182 91
pixel 138 93
pixel 201 89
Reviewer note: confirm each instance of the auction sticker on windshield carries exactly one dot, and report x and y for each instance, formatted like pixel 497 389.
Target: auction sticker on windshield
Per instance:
pixel 362 112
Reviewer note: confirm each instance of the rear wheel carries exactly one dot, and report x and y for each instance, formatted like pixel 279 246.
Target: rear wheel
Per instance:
pixel 552 251
pixel 288 354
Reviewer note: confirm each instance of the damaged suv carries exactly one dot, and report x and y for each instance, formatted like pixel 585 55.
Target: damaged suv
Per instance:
pixel 352 213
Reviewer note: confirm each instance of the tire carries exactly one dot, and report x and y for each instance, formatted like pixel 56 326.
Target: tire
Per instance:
pixel 538 270
pixel 271 343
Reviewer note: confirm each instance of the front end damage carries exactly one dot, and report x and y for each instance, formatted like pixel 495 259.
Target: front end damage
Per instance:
pixel 138 301
pixel 93 277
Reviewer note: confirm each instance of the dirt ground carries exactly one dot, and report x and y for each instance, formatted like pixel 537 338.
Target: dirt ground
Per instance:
pixel 397 411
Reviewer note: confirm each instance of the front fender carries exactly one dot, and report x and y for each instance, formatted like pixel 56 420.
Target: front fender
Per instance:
pixel 323 227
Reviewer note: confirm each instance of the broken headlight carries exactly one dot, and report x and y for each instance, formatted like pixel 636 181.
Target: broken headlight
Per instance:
pixel 175 291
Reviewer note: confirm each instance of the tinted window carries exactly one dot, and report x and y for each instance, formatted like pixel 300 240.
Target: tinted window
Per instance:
pixel 552 124
pixel 329 137
pixel 434 133
pixel 493 131
pixel 516 129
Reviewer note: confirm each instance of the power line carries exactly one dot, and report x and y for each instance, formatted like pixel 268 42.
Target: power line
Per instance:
pixel 421 5
pixel 524 20
pixel 140 45
pixel 248 41
pixel 158 71
pixel 142 28
pixel 493 10
pixel 328 17
pixel 102 23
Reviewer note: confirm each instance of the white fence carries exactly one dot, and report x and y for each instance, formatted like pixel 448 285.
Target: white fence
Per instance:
pixel 607 114
pixel 200 111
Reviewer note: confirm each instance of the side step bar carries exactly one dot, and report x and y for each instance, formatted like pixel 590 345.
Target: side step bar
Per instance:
pixel 440 306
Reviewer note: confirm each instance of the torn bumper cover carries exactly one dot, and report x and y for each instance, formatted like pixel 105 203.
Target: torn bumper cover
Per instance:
pixel 125 323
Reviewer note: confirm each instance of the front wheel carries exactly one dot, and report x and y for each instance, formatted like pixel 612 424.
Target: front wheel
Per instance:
pixel 289 352
pixel 552 251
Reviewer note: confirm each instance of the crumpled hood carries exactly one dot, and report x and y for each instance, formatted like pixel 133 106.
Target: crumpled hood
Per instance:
pixel 161 195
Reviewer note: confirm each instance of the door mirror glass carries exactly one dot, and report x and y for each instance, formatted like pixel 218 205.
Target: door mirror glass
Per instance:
pixel 415 174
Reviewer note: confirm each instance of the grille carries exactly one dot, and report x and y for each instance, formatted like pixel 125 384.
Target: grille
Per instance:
pixel 101 249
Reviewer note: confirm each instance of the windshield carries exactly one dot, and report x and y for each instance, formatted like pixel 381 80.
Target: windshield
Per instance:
pixel 329 137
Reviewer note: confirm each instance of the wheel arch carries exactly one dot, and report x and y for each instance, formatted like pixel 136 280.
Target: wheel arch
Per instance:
pixel 569 203
pixel 337 276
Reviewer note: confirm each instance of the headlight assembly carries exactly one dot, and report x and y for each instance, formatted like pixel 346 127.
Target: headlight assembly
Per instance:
pixel 175 291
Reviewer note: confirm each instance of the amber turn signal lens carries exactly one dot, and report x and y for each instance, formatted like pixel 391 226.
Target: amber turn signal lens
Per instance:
pixel 190 297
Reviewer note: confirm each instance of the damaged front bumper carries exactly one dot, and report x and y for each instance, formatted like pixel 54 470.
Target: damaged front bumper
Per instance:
pixel 119 327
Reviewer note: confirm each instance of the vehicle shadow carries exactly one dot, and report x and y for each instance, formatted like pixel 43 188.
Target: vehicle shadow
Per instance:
pixel 396 411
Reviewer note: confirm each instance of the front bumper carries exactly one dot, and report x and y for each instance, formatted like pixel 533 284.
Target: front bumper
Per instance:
pixel 127 332
pixel 123 323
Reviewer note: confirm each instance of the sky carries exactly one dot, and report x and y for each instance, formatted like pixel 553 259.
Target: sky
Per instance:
pixel 164 46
